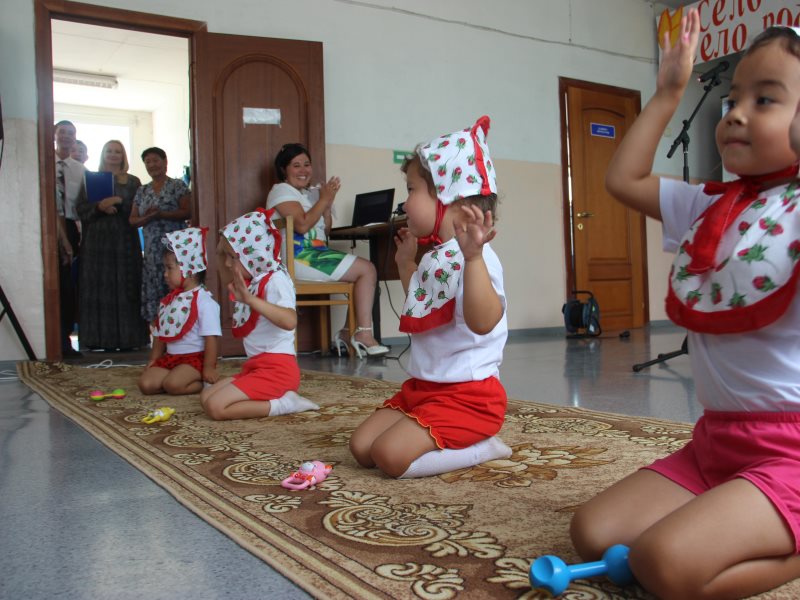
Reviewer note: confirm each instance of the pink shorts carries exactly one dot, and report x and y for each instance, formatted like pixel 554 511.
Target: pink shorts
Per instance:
pixel 761 447
pixel 457 415
pixel 268 376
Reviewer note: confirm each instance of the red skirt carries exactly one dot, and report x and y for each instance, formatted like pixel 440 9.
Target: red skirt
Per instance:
pixel 268 376
pixel 457 415
pixel 170 361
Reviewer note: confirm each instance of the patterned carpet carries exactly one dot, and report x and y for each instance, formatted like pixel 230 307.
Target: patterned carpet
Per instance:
pixel 468 534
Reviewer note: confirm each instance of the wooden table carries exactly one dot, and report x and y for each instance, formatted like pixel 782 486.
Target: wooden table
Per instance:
pixel 382 249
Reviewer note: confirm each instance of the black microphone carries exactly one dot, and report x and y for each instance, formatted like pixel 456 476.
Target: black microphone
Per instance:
pixel 400 210
pixel 722 66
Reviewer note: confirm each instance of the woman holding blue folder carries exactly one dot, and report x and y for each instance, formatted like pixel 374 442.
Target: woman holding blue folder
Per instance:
pixel 111 258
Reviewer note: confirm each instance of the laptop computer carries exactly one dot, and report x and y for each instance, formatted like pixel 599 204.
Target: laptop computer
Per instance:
pixel 371 208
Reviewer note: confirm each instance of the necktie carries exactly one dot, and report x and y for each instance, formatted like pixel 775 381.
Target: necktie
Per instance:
pixel 61 188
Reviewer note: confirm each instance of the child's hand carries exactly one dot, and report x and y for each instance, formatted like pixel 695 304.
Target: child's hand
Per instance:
pixel 238 287
pixel 406 243
pixel 473 230
pixel 677 61
pixel 794 131
pixel 210 374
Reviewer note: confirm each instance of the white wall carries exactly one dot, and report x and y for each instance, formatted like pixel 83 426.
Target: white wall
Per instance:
pixel 140 124
pixel 395 77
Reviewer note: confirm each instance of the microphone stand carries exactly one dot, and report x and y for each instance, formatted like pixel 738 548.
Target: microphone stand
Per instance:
pixel 683 140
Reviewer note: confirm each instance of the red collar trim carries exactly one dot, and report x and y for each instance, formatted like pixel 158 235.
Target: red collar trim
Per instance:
pixel 190 320
pixel 250 324
pixel 437 317
pixel 736 320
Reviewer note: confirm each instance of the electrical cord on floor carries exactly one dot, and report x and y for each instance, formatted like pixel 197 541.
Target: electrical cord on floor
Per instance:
pixel 8 376
pixel 107 364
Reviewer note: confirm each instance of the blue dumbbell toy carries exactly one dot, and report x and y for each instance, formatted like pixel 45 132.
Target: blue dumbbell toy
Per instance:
pixel 554 575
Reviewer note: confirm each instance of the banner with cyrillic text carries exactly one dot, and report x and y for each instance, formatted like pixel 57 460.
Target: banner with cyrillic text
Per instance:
pixel 728 26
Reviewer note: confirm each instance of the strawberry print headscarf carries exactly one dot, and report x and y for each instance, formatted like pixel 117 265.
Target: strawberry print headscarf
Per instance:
pixel 752 269
pixel 189 247
pixel 258 244
pixel 460 165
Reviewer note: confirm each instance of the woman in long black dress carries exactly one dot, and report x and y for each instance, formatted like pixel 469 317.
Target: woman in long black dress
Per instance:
pixel 111 262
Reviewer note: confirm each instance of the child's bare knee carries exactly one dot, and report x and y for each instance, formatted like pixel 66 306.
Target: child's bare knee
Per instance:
pixel 215 412
pixel 360 449
pixel 388 461
pixel 586 535
pixel 148 388
pixel 173 388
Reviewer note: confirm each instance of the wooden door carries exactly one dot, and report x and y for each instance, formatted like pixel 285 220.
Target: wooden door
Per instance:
pixel 606 246
pixel 234 160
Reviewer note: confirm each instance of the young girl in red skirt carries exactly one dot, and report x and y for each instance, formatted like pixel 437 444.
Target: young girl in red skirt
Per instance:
pixel 445 416
pixel 264 317
pixel 184 353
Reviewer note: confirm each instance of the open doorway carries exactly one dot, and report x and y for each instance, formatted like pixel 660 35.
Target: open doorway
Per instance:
pixel 133 87
pixel 46 14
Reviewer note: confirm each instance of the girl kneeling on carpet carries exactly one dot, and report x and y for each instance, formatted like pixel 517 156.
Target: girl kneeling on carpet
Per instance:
pixel 720 518
pixel 444 417
pixel 264 317
pixel 185 332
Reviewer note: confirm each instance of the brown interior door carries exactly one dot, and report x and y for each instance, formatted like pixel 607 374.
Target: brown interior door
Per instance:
pixel 233 160
pixel 608 239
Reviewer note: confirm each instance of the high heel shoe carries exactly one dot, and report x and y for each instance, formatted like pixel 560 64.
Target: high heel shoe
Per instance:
pixel 369 351
pixel 340 344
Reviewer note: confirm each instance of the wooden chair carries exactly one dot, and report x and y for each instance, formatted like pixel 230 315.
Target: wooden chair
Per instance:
pixel 317 293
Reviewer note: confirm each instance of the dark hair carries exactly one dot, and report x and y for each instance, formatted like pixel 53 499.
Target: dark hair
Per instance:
pixel 287 154
pixel 785 36
pixel 155 150
pixel 63 123
pixel 483 202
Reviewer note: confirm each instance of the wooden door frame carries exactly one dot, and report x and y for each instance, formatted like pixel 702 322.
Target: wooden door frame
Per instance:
pixel 44 11
pixel 563 84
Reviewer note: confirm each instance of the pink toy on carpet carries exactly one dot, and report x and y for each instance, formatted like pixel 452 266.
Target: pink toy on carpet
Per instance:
pixel 309 474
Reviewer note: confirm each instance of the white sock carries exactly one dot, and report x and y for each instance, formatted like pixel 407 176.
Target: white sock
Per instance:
pixel 290 402
pixel 444 461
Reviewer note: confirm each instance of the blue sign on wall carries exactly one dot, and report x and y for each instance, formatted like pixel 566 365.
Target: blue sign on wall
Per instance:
pixel 606 131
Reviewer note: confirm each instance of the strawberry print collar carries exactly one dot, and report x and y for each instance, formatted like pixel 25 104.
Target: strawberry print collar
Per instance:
pixel 431 299
pixel 755 270
pixel 177 314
